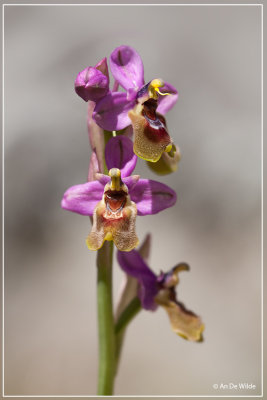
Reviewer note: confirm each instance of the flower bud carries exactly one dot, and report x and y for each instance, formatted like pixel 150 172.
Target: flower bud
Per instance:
pixel 93 82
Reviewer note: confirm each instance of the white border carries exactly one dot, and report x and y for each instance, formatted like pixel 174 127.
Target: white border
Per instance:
pixel 262 199
pixel 3 215
pixel 3 175
pixel 130 5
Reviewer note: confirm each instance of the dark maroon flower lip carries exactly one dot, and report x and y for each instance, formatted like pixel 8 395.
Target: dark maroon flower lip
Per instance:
pixel 156 132
pixel 115 200
pixel 155 128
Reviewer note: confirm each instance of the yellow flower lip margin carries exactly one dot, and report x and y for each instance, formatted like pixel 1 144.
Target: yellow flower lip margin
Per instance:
pixel 168 162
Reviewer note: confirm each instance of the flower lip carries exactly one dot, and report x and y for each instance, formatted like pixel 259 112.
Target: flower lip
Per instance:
pixel 114 216
pixel 149 109
pixel 153 118
pixel 168 162
pixel 150 131
pixel 115 195
pixel 115 200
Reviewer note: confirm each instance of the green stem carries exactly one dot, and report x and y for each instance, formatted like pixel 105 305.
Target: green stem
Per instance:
pixel 125 318
pixel 106 369
pixel 127 315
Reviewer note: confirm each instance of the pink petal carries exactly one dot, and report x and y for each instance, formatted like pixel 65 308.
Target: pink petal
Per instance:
pixel 133 264
pixel 102 66
pixel 119 154
pixel 102 178
pixel 165 103
pixel 111 112
pixel 127 67
pixel 83 198
pixel 152 197
pixel 130 181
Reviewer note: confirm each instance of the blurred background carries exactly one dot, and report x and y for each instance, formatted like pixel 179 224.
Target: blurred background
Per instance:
pixel 212 56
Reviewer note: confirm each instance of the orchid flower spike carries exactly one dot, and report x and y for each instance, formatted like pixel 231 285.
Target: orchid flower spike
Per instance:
pixel 160 290
pixel 141 105
pixel 114 200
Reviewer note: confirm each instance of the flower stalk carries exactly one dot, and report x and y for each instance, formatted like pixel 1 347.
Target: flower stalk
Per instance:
pixel 128 314
pixel 106 366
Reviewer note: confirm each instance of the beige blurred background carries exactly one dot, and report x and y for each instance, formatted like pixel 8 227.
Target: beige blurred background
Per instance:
pixel 212 56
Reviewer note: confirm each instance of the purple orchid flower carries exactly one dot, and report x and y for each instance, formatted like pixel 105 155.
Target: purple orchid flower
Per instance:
pixel 115 200
pixel 140 106
pixel 160 290
pixel 111 112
